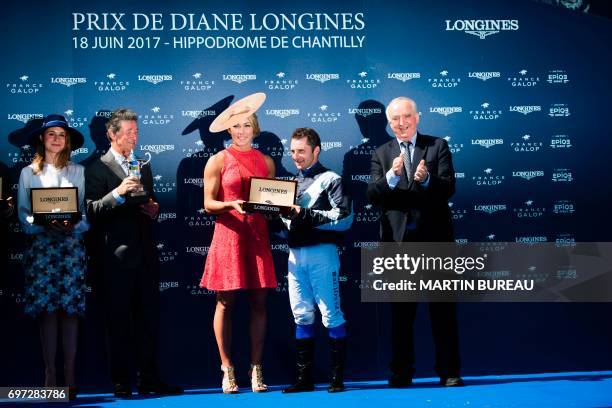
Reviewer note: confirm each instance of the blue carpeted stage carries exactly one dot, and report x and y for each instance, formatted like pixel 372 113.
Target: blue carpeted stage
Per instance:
pixel 571 389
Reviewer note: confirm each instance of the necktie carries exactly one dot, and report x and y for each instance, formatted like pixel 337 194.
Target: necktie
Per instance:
pixel 125 166
pixel 407 159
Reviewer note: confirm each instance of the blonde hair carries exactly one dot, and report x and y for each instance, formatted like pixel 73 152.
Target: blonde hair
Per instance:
pixel 63 157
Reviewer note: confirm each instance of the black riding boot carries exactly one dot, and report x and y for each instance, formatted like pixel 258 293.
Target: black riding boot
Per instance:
pixel 338 360
pixel 304 363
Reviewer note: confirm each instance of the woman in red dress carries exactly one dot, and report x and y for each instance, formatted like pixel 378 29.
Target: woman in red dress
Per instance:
pixel 239 257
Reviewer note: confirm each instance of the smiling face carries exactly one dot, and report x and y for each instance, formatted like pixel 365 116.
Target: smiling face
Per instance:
pixel 242 134
pixel 403 119
pixel 303 154
pixel 55 139
pixel 124 140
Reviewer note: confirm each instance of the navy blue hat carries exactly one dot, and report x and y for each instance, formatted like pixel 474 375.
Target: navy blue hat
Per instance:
pixel 53 120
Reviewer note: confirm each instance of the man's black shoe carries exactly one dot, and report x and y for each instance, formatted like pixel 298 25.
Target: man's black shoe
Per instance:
pixel 400 381
pixel 122 390
pixel 159 388
pixel 452 382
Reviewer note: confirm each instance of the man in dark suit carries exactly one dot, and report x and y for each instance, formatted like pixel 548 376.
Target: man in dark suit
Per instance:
pixel 130 262
pixel 412 178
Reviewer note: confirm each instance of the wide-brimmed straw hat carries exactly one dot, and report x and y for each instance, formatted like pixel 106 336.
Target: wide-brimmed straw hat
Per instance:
pixel 238 112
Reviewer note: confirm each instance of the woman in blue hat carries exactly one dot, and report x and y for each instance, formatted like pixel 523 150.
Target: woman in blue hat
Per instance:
pixel 54 261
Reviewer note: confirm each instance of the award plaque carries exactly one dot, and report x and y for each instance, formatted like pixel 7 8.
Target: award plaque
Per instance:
pixel 60 203
pixel 270 196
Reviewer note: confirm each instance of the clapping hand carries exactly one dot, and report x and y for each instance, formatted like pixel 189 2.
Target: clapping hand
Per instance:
pixel 421 172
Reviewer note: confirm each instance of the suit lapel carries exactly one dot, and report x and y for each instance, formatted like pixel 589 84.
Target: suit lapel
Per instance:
pixel 419 152
pixel 112 164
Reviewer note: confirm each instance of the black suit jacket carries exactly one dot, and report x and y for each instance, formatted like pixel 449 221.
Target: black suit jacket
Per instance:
pixel 127 233
pixel 409 200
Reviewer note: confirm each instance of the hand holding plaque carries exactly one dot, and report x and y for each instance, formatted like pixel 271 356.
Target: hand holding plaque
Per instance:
pixel 270 196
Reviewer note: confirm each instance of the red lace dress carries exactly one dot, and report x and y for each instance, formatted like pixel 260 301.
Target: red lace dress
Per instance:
pixel 239 255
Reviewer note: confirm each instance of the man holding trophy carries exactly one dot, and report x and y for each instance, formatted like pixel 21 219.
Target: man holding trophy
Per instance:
pixel 121 205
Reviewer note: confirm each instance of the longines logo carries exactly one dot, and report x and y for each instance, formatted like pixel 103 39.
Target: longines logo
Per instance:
pixel 281 83
pixel 194 181
pixel 282 113
pixel 68 81
pixel 167 285
pixel 24 117
pixel 197 250
pixel 558 110
pixel 111 84
pixel 457 213
pixel 80 150
pixel 324 115
pixel 24 86
pixel 154 79
pixel 459 175
pixel 363 82
pixel 280 247
pixel 325 146
pixel 526 145
pixel 365 178
pixel 104 114
pixel 404 76
pixel 444 80
pixel 482 28
pixel 156 117
pixel 523 80
pixel 239 78
pixel 16 256
pixel 364 112
pixel 528 175
pixel 486 143
pixel 445 110
pixel 529 210
pixel 197 84
pixel 162 186
pixel 165 216
pixel 485 113
pixel 525 109
pixel 157 149
pixel 564 207
pixel 530 239
pixel 490 208
pixel 484 76
pixel 560 142
pixel 197 114
pixel 562 176
pixel 366 244
pixel 489 179
pixel 557 76
pixel 322 78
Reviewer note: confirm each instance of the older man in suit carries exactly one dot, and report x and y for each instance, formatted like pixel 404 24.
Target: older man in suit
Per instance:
pixel 129 259
pixel 412 178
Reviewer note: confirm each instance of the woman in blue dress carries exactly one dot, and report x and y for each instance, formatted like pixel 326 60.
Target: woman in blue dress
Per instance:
pixel 54 261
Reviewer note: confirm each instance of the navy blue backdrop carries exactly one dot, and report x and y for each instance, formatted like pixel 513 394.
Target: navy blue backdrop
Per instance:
pixel 518 88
